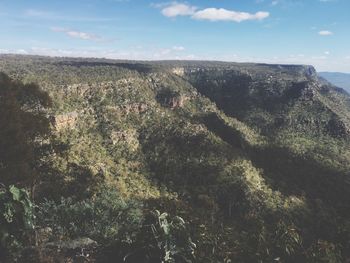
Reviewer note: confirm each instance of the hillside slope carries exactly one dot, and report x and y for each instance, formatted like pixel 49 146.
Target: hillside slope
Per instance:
pixel 255 157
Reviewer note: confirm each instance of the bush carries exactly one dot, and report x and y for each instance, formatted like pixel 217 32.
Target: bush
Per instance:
pixel 104 218
pixel 324 251
pixel 162 239
pixel 16 220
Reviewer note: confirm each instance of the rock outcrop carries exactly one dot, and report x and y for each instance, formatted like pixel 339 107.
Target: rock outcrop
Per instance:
pixel 65 121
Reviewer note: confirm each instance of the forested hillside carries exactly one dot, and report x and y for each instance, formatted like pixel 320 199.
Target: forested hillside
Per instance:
pixel 121 161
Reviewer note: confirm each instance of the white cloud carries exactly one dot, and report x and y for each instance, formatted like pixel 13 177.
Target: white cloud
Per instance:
pixel 168 53
pixel 325 33
pixel 221 14
pixel 327 53
pixel 178 9
pixel 175 9
pixel 77 34
pixel 178 48
pixel 319 57
pixel 81 35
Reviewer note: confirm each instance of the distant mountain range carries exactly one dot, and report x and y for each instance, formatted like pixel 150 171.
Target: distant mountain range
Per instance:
pixel 342 80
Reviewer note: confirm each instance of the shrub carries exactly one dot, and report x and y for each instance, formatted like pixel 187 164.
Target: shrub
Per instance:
pixel 324 251
pixel 104 218
pixel 16 219
pixel 163 239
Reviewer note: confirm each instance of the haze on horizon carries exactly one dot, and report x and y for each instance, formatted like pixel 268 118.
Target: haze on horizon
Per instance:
pixel 314 32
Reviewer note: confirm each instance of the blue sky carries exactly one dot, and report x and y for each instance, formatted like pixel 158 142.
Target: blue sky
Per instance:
pixel 313 32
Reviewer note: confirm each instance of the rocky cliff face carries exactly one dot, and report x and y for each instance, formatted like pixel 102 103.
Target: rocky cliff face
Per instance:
pixel 64 121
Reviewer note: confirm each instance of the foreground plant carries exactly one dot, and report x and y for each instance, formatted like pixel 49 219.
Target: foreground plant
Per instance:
pixel 16 220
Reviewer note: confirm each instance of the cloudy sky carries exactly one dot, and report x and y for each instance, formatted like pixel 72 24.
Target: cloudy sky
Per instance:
pixel 313 32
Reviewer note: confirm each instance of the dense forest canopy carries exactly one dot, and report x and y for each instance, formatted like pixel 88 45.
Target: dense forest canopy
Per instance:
pixel 172 162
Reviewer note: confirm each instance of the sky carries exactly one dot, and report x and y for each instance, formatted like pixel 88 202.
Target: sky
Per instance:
pixel 314 32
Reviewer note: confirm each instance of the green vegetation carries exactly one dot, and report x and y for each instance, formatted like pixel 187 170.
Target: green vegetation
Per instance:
pixel 16 221
pixel 105 217
pixel 246 162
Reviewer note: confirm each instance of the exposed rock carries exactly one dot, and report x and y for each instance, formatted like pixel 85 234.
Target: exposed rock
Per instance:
pixel 64 121
pixel 171 99
pixel 179 71
pixel 176 102
pixel 134 108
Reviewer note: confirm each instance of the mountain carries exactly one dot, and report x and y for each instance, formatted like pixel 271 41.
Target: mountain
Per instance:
pixel 341 80
pixel 255 158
